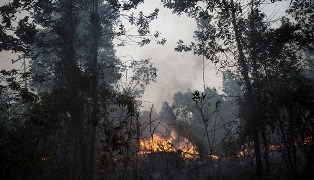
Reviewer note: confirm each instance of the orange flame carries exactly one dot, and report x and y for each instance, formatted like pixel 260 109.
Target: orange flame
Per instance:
pixel 214 157
pixel 158 143
pixel 308 140
pixel 243 152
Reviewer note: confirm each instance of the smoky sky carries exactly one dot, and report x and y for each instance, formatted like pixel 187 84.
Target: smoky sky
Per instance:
pixel 181 71
pixel 176 71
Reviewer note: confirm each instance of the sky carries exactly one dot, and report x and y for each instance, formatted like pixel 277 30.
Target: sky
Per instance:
pixel 176 71
pixel 179 71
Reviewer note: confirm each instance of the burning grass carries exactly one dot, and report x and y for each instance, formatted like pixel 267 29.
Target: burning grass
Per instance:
pixel 158 143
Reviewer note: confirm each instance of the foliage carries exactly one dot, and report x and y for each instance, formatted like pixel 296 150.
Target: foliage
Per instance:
pixel 198 117
pixel 269 69
pixel 73 81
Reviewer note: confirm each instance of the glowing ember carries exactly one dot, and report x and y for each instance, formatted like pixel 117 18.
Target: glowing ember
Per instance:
pixel 248 151
pixel 160 144
pixel 45 158
pixel 214 157
pixel 308 140
pixel 243 152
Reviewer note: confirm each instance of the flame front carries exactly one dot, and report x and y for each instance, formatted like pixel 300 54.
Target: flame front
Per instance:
pixel 158 143
pixel 182 146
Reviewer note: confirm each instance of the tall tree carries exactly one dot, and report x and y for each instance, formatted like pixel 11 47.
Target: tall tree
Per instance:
pixel 233 29
pixel 229 15
pixel 74 69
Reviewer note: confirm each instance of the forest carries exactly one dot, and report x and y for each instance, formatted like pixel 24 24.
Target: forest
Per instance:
pixel 77 111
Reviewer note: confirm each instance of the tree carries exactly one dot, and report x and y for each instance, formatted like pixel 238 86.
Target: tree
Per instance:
pixel 302 13
pixel 26 137
pixel 196 117
pixel 74 70
pixel 22 37
pixel 253 52
pixel 229 14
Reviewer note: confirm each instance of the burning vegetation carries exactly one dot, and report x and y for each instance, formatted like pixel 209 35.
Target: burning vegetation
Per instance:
pixel 173 143
pixel 158 143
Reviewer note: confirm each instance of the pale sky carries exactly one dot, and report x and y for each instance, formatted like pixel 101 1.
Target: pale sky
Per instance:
pixel 179 71
pixel 176 71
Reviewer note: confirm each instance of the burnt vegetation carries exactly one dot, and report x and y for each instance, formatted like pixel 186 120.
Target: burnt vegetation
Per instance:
pixel 75 112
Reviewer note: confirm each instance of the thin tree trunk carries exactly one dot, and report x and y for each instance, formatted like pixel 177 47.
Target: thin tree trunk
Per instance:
pixel 151 131
pixel 70 71
pixel 292 141
pixel 258 158
pixel 209 144
pixel 95 118
pixel 138 134
pixel 266 155
pixel 249 90
pixel 287 145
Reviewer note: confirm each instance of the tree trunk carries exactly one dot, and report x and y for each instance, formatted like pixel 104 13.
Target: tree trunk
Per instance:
pixel 95 112
pixel 266 155
pixel 69 73
pixel 286 144
pixel 258 158
pixel 249 90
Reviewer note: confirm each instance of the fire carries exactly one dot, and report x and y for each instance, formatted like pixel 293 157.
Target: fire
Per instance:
pixel 308 140
pixel 214 157
pixel 274 147
pixel 243 152
pixel 158 143
pixel 250 150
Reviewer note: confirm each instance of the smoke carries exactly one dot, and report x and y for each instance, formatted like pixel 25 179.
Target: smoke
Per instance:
pixel 176 71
